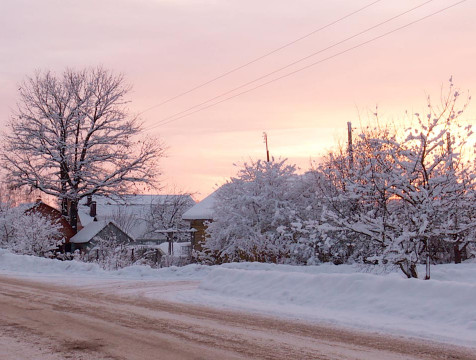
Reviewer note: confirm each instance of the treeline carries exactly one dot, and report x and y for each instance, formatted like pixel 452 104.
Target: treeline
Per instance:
pixel 395 198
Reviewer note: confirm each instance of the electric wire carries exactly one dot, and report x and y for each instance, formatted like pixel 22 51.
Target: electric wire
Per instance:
pixel 291 64
pixel 169 120
pixel 262 56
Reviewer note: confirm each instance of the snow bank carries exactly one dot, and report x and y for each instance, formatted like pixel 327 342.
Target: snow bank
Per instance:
pixel 32 266
pixel 443 308
pixel 465 273
pixel 438 309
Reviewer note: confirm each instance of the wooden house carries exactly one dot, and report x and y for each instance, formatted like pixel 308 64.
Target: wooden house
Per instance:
pixel 199 216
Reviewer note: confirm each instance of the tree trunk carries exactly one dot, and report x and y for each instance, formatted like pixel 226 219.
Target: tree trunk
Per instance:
pixel 64 189
pixel 73 215
pixel 408 269
pixel 457 252
pixel 170 241
pixel 427 276
pixel 64 208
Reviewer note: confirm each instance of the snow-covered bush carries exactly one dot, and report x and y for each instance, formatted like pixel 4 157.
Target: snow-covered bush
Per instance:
pixel 29 233
pixel 109 253
pixel 255 212
pixel 402 197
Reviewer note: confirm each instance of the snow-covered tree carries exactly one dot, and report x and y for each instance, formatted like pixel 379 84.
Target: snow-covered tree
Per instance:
pixel 402 195
pixel 72 136
pixel 11 196
pixel 29 233
pixel 110 253
pixel 439 179
pixel 166 214
pixel 254 214
pixel 362 206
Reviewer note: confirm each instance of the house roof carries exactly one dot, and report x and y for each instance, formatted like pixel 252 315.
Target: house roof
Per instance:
pixel 136 207
pixel 89 231
pixel 204 210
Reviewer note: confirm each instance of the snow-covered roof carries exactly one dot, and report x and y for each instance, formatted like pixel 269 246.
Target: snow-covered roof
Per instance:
pixel 204 210
pixel 88 232
pixel 136 207
pixel 26 206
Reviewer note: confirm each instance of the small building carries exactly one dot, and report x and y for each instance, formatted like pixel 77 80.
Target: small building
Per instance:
pixel 199 216
pixel 105 240
pixel 95 232
pixel 134 215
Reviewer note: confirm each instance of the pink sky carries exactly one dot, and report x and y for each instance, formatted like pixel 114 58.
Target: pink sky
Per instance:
pixel 165 47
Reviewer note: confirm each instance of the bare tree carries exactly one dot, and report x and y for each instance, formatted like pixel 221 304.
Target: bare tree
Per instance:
pixel 166 215
pixel 72 136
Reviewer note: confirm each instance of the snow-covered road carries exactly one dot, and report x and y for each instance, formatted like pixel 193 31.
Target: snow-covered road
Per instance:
pixel 441 310
pixel 44 321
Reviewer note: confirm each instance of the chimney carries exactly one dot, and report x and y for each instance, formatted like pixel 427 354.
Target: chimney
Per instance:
pixel 92 209
pixel 89 199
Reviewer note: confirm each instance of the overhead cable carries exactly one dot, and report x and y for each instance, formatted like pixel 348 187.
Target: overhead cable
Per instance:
pixel 310 65
pixel 261 57
pixel 167 119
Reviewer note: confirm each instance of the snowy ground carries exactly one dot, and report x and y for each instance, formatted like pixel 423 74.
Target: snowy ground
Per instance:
pixel 442 309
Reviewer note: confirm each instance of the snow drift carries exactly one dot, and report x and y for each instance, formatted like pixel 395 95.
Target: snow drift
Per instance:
pixel 441 309
pixel 444 310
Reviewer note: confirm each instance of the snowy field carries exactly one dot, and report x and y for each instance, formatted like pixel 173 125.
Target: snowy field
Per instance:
pixel 442 309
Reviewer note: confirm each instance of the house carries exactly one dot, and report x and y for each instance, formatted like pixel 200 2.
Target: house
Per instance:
pixel 198 216
pixel 96 231
pixel 54 215
pixel 147 219
pixel 105 239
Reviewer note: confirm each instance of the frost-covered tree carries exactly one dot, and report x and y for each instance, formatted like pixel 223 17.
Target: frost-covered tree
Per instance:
pixel 110 253
pixel 12 197
pixel 166 214
pixel 73 136
pixel 439 178
pixel 361 204
pixel 254 214
pixel 401 196
pixel 29 233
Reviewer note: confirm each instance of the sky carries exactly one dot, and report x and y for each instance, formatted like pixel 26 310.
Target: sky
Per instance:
pixel 167 47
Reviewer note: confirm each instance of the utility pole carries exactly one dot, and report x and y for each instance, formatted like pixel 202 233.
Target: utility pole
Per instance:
pixel 349 144
pixel 265 137
pixel 456 249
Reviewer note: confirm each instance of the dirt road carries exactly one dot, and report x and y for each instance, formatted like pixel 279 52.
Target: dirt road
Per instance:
pixel 43 322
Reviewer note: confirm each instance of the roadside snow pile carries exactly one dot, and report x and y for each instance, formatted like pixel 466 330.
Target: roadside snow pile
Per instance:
pixel 437 309
pixel 328 268
pixel 443 308
pixel 465 273
pixel 33 266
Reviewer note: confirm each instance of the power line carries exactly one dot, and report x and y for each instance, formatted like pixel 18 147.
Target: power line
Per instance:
pixel 261 57
pixel 291 64
pixel 313 64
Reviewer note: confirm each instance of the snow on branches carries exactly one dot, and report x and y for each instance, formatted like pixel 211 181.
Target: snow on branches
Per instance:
pixel 72 136
pixel 404 195
pixel 29 233
pixel 254 212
